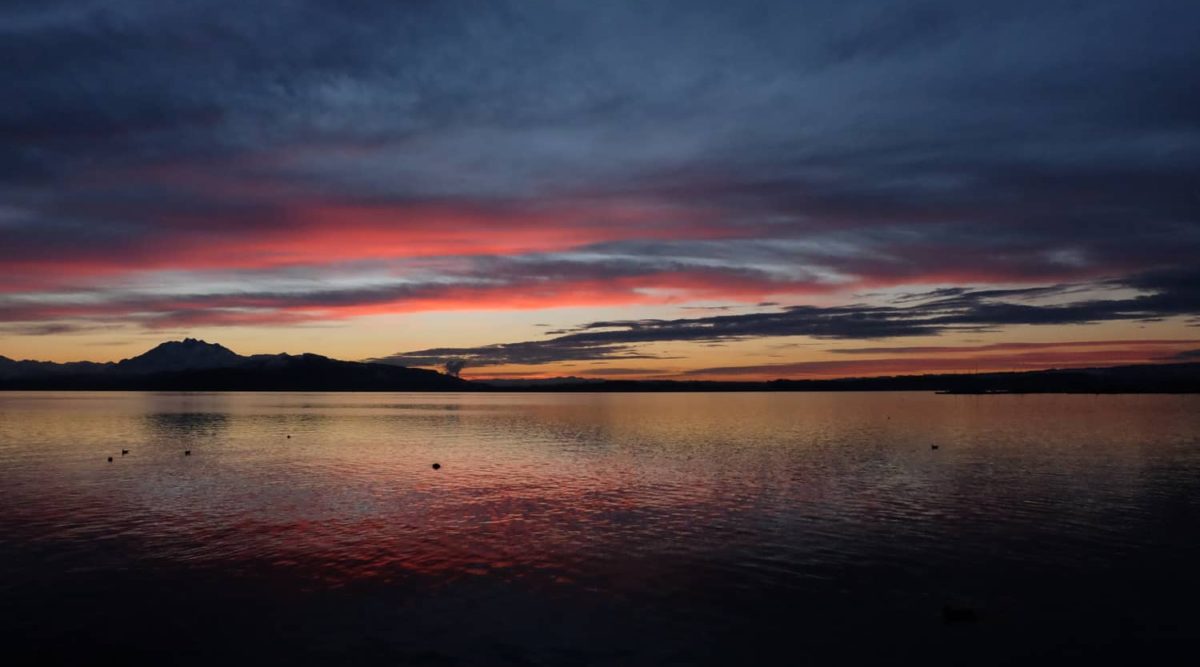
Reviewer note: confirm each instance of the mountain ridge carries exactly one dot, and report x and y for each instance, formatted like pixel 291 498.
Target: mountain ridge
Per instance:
pixel 182 355
pixel 193 364
pixel 196 365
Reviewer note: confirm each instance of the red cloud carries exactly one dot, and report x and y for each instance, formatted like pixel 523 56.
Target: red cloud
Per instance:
pixel 518 292
pixel 315 233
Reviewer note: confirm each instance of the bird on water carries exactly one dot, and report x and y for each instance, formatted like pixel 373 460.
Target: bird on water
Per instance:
pixel 437 466
pixel 187 452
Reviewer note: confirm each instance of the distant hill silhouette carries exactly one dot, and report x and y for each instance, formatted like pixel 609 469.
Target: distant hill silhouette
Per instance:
pixel 194 365
pixel 1138 379
pixel 182 355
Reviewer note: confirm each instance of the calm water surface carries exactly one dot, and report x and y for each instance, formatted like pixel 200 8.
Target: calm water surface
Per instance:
pixel 596 529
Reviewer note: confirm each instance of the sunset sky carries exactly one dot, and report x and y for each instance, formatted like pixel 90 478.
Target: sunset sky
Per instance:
pixel 605 189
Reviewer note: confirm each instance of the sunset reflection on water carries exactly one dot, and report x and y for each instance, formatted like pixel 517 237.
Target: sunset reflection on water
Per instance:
pixel 705 520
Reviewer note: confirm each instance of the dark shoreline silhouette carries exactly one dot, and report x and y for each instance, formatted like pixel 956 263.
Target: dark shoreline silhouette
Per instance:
pixel 194 365
pixel 1134 379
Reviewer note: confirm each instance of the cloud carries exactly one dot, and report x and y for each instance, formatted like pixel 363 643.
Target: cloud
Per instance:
pixel 1018 361
pixel 938 312
pixel 1013 346
pixel 535 154
pixel 315 294
pixel 46 329
pixel 524 353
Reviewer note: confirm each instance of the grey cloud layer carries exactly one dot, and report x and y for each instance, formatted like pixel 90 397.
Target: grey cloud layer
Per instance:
pixel 1164 294
pixel 905 143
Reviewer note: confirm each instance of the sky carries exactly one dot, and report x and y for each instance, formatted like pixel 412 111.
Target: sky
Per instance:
pixel 694 189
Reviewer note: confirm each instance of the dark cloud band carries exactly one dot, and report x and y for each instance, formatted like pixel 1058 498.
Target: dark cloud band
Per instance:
pixel 1168 294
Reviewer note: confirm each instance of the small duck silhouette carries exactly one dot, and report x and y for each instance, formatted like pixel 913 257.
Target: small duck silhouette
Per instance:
pixel 124 452
pixel 110 459
pixel 187 452
pixel 437 466
pixel 934 446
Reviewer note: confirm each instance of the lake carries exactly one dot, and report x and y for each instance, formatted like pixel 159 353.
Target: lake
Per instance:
pixel 597 529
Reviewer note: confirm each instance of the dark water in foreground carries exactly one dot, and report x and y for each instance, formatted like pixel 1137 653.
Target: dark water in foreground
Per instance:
pixel 597 529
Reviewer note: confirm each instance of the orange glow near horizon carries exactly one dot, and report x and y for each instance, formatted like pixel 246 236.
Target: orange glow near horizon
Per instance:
pixel 482 276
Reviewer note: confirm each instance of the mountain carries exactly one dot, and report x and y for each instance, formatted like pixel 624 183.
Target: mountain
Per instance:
pixel 10 368
pixel 305 372
pixel 195 365
pixel 181 355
